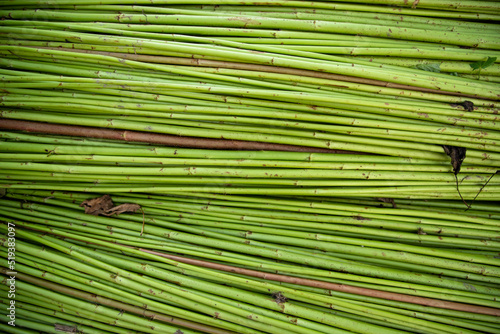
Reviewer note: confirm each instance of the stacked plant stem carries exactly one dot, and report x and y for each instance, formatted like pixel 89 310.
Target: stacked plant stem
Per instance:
pixel 210 259
pixel 294 167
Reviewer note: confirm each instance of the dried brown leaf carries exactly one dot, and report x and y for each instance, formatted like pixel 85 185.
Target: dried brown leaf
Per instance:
pixel 457 155
pixel 98 205
pixel 104 206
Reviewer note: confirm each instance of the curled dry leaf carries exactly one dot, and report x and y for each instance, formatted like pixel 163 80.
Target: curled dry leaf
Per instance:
pixel 457 155
pixel 97 206
pixel 104 206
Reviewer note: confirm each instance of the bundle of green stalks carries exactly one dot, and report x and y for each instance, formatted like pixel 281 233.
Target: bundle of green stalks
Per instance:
pixel 236 109
pixel 256 73
pixel 280 166
pixel 247 264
